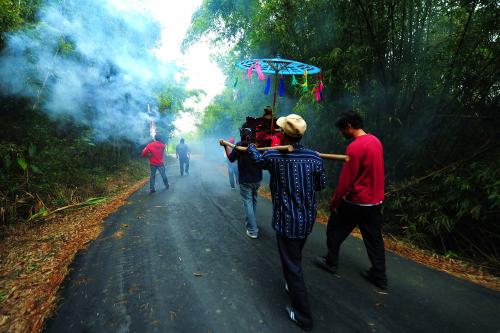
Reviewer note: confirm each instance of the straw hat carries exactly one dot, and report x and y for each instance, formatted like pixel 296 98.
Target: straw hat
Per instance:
pixel 293 125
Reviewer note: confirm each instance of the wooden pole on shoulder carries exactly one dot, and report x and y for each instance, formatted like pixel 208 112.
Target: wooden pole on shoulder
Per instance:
pixel 288 148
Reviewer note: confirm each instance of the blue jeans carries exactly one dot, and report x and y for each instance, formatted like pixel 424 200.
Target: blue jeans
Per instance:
pixel 184 165
pixel 248 193
pixel 152 178
pixel 232 171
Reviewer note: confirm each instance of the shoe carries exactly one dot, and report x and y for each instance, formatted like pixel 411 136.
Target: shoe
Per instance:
pixel 152 191
pixel 293 317
pixel 167 186
pixel 233 188
pixel 321 263
pixel 252 235
pixel 380 283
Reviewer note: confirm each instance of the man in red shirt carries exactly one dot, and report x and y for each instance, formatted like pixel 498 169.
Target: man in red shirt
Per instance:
pixel 358 199
pixel 156 153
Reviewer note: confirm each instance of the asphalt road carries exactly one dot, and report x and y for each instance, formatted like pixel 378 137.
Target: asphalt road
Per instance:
pixel 179 261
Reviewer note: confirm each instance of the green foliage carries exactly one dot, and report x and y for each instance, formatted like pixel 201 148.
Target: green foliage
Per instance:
pixel 66 47
pixel 52 164
pixel 461 203
pixel 13 14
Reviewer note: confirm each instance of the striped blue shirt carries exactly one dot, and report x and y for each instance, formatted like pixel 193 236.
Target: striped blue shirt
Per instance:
pixel 295 177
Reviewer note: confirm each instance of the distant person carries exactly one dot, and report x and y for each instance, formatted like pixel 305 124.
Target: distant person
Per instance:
pixel 249 177
pixel 232 169
pixel 358 199
pixel 156 153
pixel 268 113
pixel 295 178
pixel 183 154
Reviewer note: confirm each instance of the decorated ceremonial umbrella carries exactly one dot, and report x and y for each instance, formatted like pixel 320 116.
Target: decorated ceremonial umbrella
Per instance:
pixel 278 67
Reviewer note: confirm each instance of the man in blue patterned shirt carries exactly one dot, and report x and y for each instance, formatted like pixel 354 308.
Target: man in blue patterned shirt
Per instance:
pixel 294 179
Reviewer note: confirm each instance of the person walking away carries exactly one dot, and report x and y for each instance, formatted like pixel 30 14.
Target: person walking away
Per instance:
pixel 156 153
pixel 249 177
pixel 183 154
pixel 232 169
pixel 295 178
pixel 358 199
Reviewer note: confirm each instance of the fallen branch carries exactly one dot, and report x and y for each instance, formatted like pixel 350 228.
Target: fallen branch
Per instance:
pixel 43 212
pixel 89 202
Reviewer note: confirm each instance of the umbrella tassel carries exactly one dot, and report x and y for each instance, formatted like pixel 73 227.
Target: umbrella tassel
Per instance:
pixel 316 93
pixel 268 86
pixel 304 85
pixel 259 71
pixel 281 90
pixel 249 72
pixel 294 81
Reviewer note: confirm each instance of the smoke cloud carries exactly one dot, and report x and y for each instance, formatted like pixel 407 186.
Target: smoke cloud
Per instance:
pixel 90 61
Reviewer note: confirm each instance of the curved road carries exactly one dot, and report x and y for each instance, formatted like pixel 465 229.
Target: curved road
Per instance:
pixel 179 261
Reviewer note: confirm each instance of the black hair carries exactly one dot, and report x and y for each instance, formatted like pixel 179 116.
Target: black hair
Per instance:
pixel 158 138
pixel 349 118
pixel 246 135
pixel 182 140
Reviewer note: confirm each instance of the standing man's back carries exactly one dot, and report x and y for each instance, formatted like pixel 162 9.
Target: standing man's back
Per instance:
pixel 183 154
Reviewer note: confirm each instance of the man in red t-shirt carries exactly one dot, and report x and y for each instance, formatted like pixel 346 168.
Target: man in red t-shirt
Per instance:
pixel 156 153
pixel 357 200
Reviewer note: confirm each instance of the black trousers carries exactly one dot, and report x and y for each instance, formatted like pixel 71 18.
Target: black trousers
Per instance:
pixel 291 260
pixel 369 220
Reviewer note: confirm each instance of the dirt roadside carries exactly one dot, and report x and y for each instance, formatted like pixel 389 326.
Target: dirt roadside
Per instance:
pixel 35 260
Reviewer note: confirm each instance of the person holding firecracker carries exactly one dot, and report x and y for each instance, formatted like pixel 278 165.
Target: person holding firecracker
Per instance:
pixel 155 151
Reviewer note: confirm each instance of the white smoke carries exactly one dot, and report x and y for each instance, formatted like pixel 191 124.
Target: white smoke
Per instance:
pixel 92 61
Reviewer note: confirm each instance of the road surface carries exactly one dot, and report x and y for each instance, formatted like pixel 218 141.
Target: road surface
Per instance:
pixel 179 261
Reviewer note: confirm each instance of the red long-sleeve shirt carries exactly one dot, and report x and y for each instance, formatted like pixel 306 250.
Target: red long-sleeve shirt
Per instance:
pixel 361 179
pixel 156 148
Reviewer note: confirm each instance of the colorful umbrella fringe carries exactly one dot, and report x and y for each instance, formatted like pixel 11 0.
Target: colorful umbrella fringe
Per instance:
pixel 317 91
pixel 258 70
